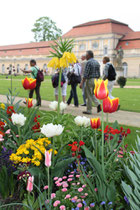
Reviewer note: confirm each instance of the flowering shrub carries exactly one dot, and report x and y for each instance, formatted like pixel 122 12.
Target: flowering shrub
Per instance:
pixel 31 151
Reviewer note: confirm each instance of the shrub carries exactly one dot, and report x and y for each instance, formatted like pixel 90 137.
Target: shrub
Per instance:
pixel 121 81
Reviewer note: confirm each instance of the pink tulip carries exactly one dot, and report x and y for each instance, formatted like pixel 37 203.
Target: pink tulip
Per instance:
pixel 65 185
pixel 8 131
pixel 79 205
pixel 48 158
pixel 1 138
pixel 64 190
pixel 45 187
pixel 30 183
pixel 56 203
pixel 77 176
pixel 69 180
pixel 62 207
pixel 70 176
pixel 64 177
pixel 55 178
pixel 67 196
pixel 80 189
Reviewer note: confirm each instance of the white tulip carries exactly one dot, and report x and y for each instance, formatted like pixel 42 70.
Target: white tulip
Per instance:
pixel 53 105
pixel 18 119
pixel 63 106
pixel 82 121
pixel 51 130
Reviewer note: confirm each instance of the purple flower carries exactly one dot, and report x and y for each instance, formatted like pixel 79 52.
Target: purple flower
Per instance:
pixel 103 203
pixel 126 199
pixel 110 203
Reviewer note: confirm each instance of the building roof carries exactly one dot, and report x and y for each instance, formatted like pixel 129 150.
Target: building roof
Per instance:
pixel 130 41
pixel 105 26
pixel 34 48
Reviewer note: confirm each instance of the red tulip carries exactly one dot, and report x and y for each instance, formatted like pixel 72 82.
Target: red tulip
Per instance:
pixel 95 123
pixel 115 103
pixel 110 105
pixel 29 102
pixel 101 91
pixel 29 83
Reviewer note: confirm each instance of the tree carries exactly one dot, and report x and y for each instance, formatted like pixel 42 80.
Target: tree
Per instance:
pixel 45 29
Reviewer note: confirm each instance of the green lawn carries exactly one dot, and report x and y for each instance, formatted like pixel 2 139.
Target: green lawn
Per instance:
pixel 129 98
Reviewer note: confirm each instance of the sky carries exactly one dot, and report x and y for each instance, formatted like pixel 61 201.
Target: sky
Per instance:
pixel 17 17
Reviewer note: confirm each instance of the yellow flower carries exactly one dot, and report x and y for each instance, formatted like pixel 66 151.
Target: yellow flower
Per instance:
pixel 54 63
pixel 73 57
pixel 2 106
pixel 63 63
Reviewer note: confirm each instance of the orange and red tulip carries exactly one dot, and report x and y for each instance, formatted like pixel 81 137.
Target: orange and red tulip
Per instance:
pixel 95 123
pixel 110 105
pixel 115 104
pixel 29 83
pixel 29 102
pixel 101 91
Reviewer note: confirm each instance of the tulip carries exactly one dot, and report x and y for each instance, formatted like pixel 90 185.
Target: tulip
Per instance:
pixel 115 104
pixel 95 123
pixel 101 91
pixel 48 158
pixel 1 138
pixel 29 83
pixel 30 183
pixel 107 105
pixel 29 102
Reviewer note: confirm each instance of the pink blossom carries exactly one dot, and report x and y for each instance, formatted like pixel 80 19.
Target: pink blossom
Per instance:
pixel 78 183
pixel 95 189
pixel 84 185
pixel 75 197
pixel 8 131
pixel 55 178
pixel 80 189
pixel 86 194
pixel 46 187
pixel 79 200
pixel 65 185
pixel 121 152
pixel 79 205
pixel 67 196
pixel 56 203
pixel 64 190
pixel 73 183
pixel 72 172
pixel 53 195
pixel 62 207
pixel 82 196
pixel 71 176
pixel 86 208
pixel 69 180
pixel 59 184
pixel 64 177
pixel 16 136
pixel 60 179
pixel 47 201
pixel 48 158
pixel 77 176
pixel 120 156
pixel 1 138
pixel 30 183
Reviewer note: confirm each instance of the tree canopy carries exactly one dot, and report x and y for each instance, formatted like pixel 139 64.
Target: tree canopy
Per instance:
pixel 45 29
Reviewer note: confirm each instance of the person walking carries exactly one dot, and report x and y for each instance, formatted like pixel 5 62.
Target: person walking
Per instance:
pixel 64 87
pixel 83 64
pixel 76 70
pixel 92 72
pixel 34 70
pixel 110 74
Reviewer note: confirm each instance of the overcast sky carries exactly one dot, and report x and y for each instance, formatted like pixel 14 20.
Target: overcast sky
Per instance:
pixel 18 16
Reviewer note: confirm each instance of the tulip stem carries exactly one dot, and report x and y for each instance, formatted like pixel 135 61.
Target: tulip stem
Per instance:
pixel 107 118
pixel 103 139
pixel 96 145
pixel 48 183
pixel 59 91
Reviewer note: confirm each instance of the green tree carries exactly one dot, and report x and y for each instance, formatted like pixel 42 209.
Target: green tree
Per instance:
pixel 45 29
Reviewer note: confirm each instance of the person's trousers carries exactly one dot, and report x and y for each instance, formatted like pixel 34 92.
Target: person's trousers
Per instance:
pixel 110 88
pixel 83 92
pixel 37 91
pixel 73 94
pixel 89 91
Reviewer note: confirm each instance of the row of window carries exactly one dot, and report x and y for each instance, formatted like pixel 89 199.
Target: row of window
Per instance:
pixel 17 68
pixel 82 47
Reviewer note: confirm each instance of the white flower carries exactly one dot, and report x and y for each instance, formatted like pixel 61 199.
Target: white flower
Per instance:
pixel 18 119
pixel 53 105
pixel 82 121
pixel 63 106
pixel 51 130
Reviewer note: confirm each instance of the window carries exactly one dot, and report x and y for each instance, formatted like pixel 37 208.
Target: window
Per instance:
pixel 95 45
pixel 3 68
pixel 105 50
pixel 18 68
pixel 26 67
pixel 82 47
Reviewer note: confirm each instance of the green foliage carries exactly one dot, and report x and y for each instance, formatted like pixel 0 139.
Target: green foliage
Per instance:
pixel 132 189
pixel 45 30
pixel 121 81
pixel 61 46
pixel 7 183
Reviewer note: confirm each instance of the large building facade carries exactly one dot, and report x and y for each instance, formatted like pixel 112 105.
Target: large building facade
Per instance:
pixel 104 37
